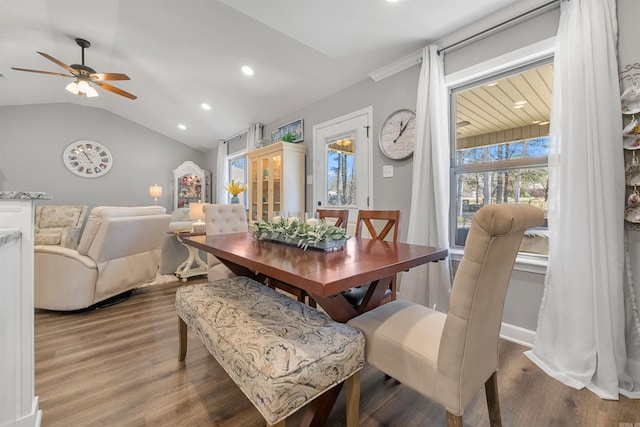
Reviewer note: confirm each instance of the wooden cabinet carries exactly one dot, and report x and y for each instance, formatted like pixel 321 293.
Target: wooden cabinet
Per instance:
pixel 276 180
pixel 192 184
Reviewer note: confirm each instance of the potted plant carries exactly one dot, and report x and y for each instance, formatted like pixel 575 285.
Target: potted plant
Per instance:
pixel 234 187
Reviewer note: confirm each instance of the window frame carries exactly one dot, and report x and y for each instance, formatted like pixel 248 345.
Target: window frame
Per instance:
pixel 497 71
pixel 233 157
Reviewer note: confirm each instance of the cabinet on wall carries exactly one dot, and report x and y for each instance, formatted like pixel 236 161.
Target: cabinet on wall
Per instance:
pixel 276 180
pixel 192 184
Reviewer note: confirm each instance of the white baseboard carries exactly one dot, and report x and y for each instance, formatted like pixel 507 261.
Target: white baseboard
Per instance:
pixel 517 335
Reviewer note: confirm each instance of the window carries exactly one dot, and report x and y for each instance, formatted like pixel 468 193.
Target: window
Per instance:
pixel 238 172
pixel 501 145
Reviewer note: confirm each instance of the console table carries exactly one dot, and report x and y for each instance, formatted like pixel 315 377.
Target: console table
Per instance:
pixel 193 265
pixel 18 403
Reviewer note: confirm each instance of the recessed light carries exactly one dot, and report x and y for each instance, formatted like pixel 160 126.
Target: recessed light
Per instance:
pixel 392 1
pixel 247 70
pixel 205 106
pixel 535 122
pixel 543 123
pixel 182 127
pixel 491 84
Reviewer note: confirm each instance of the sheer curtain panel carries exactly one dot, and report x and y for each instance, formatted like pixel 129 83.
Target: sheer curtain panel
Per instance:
pixel 430 285
pixel 222 172
pixel 580 337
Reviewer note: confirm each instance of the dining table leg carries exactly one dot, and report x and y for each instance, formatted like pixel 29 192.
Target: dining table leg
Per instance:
pixel 340 310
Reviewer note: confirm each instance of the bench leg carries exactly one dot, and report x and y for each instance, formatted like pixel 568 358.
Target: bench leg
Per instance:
pixel 352 390
pixel 182 333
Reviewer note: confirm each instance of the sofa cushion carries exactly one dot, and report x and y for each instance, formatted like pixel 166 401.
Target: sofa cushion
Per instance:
pixel 48 238
pixel 59 216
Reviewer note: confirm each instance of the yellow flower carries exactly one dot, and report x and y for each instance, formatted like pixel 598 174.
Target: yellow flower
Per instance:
pixel 234 187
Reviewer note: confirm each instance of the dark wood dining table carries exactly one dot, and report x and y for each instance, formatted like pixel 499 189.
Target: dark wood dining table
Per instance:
pixel 323 275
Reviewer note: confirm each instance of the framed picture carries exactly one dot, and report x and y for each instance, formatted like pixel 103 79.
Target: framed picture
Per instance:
pixel 293 129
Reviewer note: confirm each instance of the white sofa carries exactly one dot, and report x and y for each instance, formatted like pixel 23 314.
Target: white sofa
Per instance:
pixel 119 250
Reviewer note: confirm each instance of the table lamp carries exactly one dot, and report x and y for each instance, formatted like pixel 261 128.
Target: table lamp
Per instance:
pixel 196 212
pixel 155 191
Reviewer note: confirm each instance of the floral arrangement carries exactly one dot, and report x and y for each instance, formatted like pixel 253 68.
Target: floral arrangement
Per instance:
pixel 234 187
pixel 304 234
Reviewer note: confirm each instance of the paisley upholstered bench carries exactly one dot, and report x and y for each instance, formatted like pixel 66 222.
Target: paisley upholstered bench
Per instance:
pixel 281 353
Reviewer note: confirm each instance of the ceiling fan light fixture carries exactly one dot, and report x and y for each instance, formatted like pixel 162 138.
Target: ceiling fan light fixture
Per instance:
pixel 91 92
pixel 83 86
pixel 73 88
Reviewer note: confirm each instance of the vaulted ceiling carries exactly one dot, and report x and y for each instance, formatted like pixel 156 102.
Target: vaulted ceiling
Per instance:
pixel 180 54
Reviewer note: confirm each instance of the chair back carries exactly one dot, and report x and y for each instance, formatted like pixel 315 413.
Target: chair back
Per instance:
pixel 225 218
pixel 379 224
pixel 469 345
pixel 341 216
pixel 125 243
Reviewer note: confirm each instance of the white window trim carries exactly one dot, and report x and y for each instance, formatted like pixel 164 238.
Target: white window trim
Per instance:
pixel 535 52
pixel 532 53
pixel 530 263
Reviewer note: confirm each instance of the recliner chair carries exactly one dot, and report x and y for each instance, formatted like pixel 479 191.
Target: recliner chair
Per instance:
pixel 119 250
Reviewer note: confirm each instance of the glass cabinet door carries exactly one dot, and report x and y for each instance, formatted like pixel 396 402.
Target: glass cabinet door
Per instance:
pixel 276 165
pixel 254 189
pixel 189 189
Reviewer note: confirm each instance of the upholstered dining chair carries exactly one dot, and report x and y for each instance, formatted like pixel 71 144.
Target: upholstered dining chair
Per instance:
pixel 223 219
pixel 378 225
pixel 448 357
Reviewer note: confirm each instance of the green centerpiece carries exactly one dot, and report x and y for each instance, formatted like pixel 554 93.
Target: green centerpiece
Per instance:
pixel 313 233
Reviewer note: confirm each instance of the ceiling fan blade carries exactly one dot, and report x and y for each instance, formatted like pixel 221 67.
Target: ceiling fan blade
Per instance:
pixel 60 63
pixel 42 72
pixel 115 90
pixel 109 76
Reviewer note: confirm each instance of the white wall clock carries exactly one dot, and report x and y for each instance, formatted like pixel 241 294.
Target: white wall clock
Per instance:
pixel 398 134
pixel 87 159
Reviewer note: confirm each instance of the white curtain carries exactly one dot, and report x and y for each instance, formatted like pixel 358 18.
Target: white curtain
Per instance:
pixel 254 136
pixel 429 217
pixel 222 172
pixel 580 337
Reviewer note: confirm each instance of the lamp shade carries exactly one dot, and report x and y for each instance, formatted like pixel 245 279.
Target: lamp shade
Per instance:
pixel 155 191
pixel 195 211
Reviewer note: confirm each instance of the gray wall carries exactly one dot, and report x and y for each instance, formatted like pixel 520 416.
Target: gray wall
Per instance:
pixel 33 137
pixel 386 96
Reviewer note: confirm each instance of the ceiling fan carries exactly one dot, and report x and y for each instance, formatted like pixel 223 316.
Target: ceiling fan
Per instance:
pixel 84 75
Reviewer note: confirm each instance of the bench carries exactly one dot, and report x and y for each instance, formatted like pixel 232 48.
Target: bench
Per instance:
pixel 281 353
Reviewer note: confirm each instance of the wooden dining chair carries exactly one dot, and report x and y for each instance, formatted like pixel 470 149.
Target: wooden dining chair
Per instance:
pixel 380 225
pixel 448 357
pixel 342 218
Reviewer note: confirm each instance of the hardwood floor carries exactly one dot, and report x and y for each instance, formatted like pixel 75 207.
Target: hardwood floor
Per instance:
pixel 118 366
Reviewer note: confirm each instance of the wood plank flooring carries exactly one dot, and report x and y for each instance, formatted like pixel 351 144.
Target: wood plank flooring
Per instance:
pixel 118 366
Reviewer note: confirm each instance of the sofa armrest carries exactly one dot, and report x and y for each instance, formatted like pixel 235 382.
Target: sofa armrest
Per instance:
pixel 63 279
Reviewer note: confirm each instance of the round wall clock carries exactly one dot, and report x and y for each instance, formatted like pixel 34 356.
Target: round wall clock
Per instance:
pixel 87 159
pixel 398 134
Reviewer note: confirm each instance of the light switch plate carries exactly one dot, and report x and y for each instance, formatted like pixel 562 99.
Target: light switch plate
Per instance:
pixel 387 171
pixel 309 179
